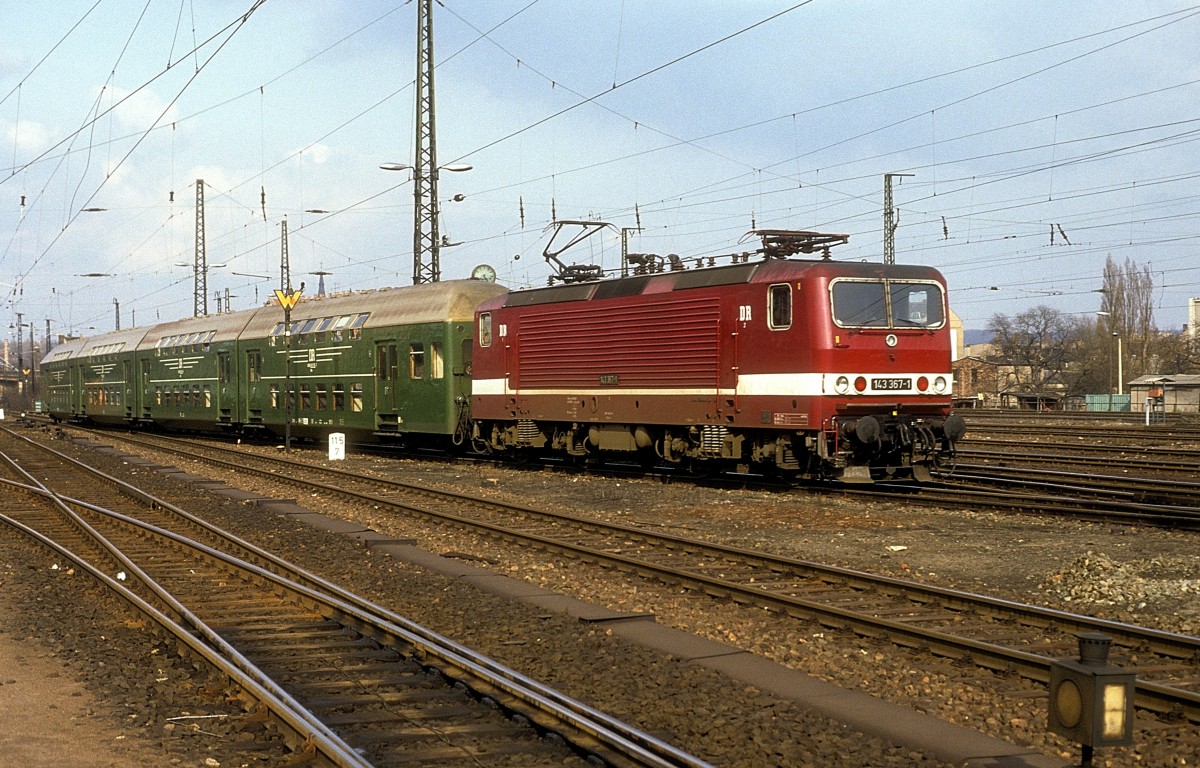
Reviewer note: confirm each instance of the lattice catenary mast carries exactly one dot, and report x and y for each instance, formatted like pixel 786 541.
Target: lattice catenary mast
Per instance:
pixel 426 242
pixel 200 268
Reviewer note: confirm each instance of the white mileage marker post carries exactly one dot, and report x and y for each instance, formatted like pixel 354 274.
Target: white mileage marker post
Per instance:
pixel 337 446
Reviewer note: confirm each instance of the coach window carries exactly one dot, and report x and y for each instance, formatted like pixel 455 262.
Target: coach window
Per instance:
pixel 339 326
pixel 385 362
pixel 307 329
pixel 339 396
pixel 437 364
pixel 253 365
pixel 208 396
pixel 779 297
pixel 485 329
pixel 322 397
pixel 305 397
pixel 356 326
pixel 416 360
pixel 275 396
pixel 322 327
pixel 225 370
pixel 356 398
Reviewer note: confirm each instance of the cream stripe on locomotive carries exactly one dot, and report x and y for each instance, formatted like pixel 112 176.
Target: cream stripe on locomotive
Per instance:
pixel 767 384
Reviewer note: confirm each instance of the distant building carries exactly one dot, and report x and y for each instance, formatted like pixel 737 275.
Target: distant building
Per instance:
pixel 956 336
pixel 1174 393
pixel 976 382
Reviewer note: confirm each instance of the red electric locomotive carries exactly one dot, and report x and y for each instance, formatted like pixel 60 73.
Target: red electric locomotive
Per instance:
pixel 806 368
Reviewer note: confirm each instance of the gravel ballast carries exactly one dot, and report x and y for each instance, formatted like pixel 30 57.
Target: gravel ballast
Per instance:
pixel 1147 577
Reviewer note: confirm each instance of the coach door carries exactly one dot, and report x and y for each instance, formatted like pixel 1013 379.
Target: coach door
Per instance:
pixel 387 379
pixel 225 399
pixel 128 396
pixel 462 372
pixel 251 411
pixel 77 396
pixel 143 398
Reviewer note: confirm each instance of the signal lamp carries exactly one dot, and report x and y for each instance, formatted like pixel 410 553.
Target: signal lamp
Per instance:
pixel 860 384
pixel 1091 702
pixel 842 385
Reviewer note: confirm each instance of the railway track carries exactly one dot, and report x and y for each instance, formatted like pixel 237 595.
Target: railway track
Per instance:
pixel 1021 453
pixel 354 684
pixel 1111 498
pixel 992 633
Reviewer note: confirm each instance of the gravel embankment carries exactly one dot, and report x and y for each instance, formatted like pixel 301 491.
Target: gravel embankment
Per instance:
pixel 1148 577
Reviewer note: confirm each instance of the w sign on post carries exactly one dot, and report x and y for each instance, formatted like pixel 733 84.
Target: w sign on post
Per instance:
pixel 287 300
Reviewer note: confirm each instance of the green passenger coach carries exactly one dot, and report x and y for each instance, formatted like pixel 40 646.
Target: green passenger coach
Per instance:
pixel 376 365
pixel 186 374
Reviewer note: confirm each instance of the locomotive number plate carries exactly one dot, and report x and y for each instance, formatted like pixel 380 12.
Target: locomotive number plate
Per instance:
pixel 891 384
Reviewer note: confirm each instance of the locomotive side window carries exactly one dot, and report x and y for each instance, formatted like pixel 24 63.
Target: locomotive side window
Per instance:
pixel 485 329
pixel 779 300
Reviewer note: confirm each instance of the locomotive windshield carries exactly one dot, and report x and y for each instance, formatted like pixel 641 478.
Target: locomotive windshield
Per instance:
pixel 887 304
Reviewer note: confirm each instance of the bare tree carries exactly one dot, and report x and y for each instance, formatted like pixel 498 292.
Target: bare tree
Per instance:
pixel 1044 349
pixel 1128 301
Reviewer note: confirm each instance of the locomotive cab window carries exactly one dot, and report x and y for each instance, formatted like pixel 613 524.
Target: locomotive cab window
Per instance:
pixel 859 303
pixel 916 304
pixel 872 303
pixel 779 301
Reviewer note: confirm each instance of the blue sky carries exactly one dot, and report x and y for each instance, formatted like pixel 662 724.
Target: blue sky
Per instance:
pixel 695 120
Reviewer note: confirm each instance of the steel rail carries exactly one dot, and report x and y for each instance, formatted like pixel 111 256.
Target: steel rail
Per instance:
pixel 1153 696
pixel 383 625
pixel 310 733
